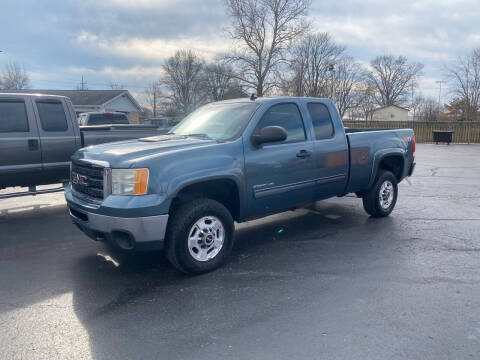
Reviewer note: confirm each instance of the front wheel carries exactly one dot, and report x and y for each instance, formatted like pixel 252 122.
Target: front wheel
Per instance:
pixel 380 200
pixel 199 236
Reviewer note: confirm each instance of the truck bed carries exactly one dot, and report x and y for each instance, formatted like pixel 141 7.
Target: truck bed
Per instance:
pixel 355 130
pixel 365 145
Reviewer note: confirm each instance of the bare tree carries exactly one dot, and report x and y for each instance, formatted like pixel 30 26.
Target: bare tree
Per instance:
pixel 457 108
pixel 319 68
pixel 152 95
pixel 366 102
pixel 312 64
pixel 347 76
pixel 14 77
pixel 464 78
pixel 184 81
pixel 115 85
pixel 393 77
pixel 218 79
pixel 416 105
pixel 428 110
pixel 263 29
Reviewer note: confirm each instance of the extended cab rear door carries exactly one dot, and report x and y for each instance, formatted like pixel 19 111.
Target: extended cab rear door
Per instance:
pixel 20 153
pixel 57 135
pixel 330 148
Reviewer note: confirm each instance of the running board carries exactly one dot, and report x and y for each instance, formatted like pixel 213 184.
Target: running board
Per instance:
pixel 32 191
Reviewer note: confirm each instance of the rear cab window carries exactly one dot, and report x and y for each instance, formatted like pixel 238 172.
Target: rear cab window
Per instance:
pixel 107 118
pixel 321 120
pixel 52 115
pixel 13 116
pixel 286 115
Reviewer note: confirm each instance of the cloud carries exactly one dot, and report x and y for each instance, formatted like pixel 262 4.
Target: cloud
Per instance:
pixel 135 78
pixel 473 40
pixel 127 41
pixel 156 49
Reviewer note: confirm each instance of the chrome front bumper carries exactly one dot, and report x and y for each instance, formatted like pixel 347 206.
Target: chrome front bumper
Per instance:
pixel 139 229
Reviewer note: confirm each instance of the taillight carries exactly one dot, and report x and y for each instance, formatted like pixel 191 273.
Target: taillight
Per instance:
pixel 413 145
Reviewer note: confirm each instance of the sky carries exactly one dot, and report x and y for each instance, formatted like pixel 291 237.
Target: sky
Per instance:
pixel 126 42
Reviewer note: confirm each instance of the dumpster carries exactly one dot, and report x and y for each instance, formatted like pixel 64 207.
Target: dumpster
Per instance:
pixel 442 136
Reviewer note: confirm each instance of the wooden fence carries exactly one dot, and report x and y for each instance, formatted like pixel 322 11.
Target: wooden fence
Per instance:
pixel 463 132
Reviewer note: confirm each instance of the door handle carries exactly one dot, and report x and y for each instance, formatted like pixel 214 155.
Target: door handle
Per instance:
pixel 32 144
pixel 303 154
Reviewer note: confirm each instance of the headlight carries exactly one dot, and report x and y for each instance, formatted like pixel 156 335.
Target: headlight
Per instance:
pixel 129 181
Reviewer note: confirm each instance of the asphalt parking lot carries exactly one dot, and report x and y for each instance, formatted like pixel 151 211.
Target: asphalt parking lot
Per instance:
pixel 321 283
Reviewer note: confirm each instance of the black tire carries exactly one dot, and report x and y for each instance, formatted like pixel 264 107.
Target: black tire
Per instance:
pixel 371 200
pixel 179 226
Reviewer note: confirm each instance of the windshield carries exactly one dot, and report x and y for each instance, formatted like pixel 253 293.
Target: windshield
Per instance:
pixel 216 121
pixel 107 118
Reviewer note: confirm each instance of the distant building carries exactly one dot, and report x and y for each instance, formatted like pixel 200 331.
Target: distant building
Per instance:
pixel 389 113
pixel 95 100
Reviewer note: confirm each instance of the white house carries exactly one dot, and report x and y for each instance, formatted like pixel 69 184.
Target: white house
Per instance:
pixel 96 100
pixel 389 113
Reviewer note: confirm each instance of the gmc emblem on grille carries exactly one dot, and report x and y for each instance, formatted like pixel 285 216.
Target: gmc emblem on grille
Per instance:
pixel 79 179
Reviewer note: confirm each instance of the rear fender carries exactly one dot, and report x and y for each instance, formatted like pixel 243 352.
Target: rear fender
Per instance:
pixel 382 154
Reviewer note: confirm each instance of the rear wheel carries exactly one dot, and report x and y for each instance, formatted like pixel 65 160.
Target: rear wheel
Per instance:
pixel 380 200
pixel 199 236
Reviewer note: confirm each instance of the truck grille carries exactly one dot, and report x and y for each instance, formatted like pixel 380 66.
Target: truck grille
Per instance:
pixel 87 179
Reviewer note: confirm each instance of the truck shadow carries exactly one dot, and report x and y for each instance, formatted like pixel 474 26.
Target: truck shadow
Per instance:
pixel 115 294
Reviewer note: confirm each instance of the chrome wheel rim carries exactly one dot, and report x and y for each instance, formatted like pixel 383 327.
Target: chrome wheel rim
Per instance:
pixel 386 193
pixel 205 238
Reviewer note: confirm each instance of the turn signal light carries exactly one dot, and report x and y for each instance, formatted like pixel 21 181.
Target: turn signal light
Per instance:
pixel 140 182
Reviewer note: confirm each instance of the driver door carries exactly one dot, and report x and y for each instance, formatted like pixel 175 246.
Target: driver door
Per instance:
pixel 280 175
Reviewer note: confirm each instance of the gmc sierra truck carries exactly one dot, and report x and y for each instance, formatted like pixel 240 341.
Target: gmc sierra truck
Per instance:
pixel 40 133
pixel 231 161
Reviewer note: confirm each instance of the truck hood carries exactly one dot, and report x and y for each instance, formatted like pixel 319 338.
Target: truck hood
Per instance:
pixel 124 154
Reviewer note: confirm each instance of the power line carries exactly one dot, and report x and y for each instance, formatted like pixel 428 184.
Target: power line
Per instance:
pixel 73 83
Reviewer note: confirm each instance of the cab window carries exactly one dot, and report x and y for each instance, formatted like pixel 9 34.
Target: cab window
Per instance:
pixel 13 116
pixel 52 115
pixel 287 116
pixel 321 119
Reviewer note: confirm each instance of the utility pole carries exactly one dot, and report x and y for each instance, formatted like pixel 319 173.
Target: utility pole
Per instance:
pixel 440 82
pixel 154 101
pixel 413 93
pixel 82 84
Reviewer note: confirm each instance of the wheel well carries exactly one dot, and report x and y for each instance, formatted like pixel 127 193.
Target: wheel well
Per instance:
pixel 394 164
pixel 222 190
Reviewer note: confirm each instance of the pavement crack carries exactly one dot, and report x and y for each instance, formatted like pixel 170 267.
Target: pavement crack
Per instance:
pixel 462 249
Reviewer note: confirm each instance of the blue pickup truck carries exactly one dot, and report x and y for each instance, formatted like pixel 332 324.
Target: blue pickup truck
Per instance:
pixel 228 162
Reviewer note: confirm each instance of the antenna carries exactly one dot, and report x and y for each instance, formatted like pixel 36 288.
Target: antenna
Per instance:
pixel 253 97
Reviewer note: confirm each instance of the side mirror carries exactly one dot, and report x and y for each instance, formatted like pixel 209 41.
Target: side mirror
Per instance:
pixel 269 134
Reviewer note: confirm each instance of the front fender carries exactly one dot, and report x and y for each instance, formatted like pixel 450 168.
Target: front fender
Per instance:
pixel 234 175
